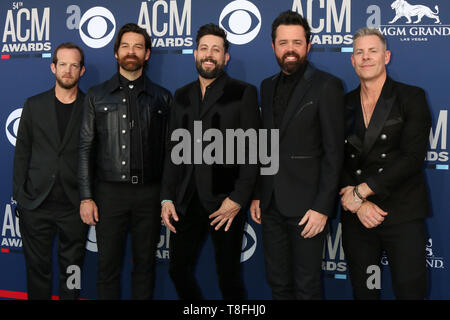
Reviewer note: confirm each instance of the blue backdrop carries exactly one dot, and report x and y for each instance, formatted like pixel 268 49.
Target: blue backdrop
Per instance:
pixel 30 30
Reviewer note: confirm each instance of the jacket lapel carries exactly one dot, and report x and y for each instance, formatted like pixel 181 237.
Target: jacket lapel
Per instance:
pixel 353 112
pixel 297 96
pixel 51 125
pixel 268 97
pixel 379 117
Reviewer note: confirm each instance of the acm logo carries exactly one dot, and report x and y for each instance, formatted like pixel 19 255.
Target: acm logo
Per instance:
pixel 333 253
pixel 438 152
pixel 11 237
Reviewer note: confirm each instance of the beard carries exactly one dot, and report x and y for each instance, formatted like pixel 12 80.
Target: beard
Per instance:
pixel 130 63
pixel 291 67
pixel 212 73
pixel 67 83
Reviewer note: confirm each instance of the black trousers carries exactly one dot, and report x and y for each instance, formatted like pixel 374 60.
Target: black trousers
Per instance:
pixel 38 228
pixel 293 264
pixel 123 208
pixel 186 243
pixel 404 244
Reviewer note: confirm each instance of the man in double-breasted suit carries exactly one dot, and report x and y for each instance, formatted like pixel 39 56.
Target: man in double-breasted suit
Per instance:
pixel 45 177
pixel 384 194
pixel 306 105
pixel 199 195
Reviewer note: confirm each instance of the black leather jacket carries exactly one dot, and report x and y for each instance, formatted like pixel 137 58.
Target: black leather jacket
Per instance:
pixel 104 147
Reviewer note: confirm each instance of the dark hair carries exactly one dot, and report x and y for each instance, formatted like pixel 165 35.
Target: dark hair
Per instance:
pixel 214 30
pixel 291 18
pixel 68 45
pixel 132 27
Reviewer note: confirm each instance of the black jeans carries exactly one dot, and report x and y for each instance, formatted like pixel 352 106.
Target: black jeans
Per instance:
pixel 38 228
pixel 293 263
pixel 404 244
pixel 124 208
pixel 186 243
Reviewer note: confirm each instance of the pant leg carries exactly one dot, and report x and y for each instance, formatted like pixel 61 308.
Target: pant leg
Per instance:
pixel 37 230
pixel 72 235
pixel 405 249
pixel 184 247
pixel 145 229
pixel 307 261
pixel 277 254
pixel 114 216
pixel 227 252
pixel 362 248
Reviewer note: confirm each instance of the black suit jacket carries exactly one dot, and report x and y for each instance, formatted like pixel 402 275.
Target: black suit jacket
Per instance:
pixel 310 147
pixel 231 104
pixel 391 155
pixel 41 155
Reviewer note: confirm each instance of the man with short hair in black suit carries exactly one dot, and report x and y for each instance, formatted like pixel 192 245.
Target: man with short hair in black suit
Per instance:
pixel 45 178
pixel 384 194
pixel 306 105
pixel 197 197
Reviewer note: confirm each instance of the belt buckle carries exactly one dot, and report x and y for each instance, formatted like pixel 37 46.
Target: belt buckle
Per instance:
pixel 134 179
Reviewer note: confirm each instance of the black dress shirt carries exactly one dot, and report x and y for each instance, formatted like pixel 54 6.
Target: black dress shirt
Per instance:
pixel 283 92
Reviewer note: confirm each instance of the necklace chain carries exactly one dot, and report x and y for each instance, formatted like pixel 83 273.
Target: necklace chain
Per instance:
pixel 365 114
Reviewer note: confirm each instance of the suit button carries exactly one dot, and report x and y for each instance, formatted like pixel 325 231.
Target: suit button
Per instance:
pixel 106 109
pixel 124 100
pixel 124 177
pixel 345 141
pixel 124 131
pixel 124 146
pixel 383 155
pixel 124 116
pixel 352 156
pixel 159 111
pixel 358 172
pixel 380 170
pixel 124 163
pixel 198 140
pixel 383 136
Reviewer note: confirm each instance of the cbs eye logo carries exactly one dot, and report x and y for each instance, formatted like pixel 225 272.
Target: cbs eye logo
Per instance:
pixel 249 242
pixel 242 21
pixel 12 125
pixel 97 27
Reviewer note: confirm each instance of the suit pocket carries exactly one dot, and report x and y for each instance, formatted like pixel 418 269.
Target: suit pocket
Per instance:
pixel 393 121
pixel 298 157
pixel 307 104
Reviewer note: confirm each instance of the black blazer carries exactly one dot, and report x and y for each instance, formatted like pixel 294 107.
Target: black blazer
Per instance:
pixel 310 147
pixel 40 153
pixel 391 155
pixel 231 104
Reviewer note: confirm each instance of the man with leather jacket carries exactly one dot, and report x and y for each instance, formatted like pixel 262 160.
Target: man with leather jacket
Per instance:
pixel 121 150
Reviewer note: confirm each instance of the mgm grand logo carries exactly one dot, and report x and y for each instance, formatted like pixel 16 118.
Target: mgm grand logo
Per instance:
pixel 411 22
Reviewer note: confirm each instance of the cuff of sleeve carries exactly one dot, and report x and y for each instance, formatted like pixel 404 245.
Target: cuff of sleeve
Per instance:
pixel 162 202
pixel 381 192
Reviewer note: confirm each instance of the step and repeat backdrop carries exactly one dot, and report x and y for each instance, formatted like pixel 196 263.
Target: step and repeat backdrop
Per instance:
pixel 418 37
